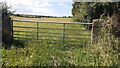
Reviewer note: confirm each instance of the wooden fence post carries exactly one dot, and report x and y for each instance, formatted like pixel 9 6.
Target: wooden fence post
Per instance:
pixel 92 34
pixel 97 25
pixel 12 30
pixel 0 34
pixel 0 25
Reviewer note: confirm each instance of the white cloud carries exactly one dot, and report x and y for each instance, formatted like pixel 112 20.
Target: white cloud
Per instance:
pixel 35 7
pixel 43 11
pixel 41 4
pixel 31 7
pixel 61 4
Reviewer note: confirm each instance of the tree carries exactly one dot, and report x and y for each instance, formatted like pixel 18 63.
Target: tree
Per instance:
pixel 79 11
pixel 87 11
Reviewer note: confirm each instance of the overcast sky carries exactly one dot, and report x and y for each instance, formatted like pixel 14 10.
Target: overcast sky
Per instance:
pixel 41 7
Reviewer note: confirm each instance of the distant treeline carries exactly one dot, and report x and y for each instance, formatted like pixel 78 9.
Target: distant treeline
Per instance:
pixel 40 16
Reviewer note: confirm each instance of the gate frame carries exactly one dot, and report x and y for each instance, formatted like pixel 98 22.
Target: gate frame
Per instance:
pixel 64 23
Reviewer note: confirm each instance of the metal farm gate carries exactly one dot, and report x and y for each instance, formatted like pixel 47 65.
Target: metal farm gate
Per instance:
pixel 65 33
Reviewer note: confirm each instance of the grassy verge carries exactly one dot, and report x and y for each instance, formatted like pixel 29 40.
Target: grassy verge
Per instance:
pixel 43 55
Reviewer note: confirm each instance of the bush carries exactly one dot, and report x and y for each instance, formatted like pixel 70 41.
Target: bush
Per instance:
pixel 105 51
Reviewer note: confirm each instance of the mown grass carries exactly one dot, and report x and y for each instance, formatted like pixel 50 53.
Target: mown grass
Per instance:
pixel 45 19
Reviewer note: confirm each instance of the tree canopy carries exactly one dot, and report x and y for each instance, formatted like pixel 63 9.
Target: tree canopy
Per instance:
pixel 87 11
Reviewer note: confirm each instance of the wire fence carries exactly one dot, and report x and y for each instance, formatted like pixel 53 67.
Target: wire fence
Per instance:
pixel 64 33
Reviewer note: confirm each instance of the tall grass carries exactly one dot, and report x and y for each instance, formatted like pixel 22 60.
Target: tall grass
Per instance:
pixel 100 54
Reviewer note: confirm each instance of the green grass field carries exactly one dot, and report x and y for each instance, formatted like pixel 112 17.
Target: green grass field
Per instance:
pixel 45 19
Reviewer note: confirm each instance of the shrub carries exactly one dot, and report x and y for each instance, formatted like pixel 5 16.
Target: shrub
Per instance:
pixel 105 51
